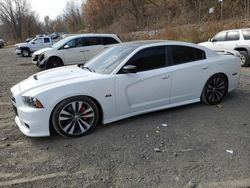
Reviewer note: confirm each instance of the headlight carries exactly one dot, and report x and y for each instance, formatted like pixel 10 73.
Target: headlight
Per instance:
pixel 32 101
pixel 41 57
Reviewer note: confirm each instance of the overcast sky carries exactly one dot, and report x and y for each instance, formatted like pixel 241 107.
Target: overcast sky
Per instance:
pixel 50 8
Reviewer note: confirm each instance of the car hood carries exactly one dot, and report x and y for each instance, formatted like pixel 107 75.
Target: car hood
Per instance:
pixel 38 52
pixel 55 76
pixel 22 44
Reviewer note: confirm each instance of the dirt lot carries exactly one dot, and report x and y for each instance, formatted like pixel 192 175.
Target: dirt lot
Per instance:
pixel 192 146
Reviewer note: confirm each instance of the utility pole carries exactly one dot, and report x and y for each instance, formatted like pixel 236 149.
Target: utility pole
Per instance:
pixel 221 9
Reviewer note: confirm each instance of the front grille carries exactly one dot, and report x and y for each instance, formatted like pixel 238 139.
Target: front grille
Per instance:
pixel 35 58
pixel 15 109
pixel 13 99
pixel 14 104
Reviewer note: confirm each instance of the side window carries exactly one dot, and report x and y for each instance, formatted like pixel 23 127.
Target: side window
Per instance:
pixel 219 37
pixel 38 41
pixel 109 40
pixel 233 35
pixel 246 34
pixel 149 58
pixel 185 54
pixel 71 43
pixel 91 41
pixel 46 40
pixel 79 42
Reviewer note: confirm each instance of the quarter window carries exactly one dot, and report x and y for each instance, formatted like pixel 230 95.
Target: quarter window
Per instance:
pixel 219 37
pixel 246 34
pixel 233 35
pixel 185 54
pixel 149 58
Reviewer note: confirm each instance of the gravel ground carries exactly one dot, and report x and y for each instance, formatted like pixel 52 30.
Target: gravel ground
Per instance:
pixel 136 152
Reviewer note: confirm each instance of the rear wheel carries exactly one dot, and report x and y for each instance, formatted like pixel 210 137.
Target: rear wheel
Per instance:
pixel 75 116
pixel 214 90
pixel 245 60
pixel 53 62
pixel 25 52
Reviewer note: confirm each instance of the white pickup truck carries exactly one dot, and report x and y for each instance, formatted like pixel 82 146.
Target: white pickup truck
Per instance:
pixel 26 49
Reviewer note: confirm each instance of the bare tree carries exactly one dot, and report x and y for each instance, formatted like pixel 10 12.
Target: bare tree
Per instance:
pixel 12 14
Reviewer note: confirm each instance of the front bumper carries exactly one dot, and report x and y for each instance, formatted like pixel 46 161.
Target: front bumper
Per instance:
pixel 31 121
pixel 18 51
pixel 36 60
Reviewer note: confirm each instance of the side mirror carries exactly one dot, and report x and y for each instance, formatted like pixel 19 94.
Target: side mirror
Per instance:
pixel 129 69
pixel 209 40
pixel 66 46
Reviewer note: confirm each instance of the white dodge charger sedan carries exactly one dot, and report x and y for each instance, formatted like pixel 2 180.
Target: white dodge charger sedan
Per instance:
pixel 123 81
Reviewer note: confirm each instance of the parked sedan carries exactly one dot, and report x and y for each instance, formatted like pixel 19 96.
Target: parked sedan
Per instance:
pixel 123 81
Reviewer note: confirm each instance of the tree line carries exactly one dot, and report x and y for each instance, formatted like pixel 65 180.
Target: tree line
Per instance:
pixel 117 16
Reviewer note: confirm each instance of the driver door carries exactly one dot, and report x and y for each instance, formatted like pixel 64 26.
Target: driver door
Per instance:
pixel 37 44
pixel 149 87
pixel 72 51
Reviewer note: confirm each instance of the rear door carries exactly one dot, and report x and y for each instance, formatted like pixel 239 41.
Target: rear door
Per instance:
pixel 190 71
pixel 92 47
pixel 232 40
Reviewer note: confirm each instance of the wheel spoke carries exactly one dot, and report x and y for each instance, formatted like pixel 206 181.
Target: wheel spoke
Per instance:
pixel 88 115
pixel 85 123
pixel 79 106
pixel 62 118
pixel 83 128
pixel 65 113
pixel 87 111
pixel 67 126
pixel 73 127
pixel 73 104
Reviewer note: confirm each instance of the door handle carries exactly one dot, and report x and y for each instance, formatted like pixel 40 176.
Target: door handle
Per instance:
pixel 84 51
pixel 205 67
pixel 165 77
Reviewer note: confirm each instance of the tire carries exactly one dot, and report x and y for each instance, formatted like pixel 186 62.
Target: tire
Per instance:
pixel 245 60
pixel 71 121
pixel 53 62
pixel 214 90
pixel 25 52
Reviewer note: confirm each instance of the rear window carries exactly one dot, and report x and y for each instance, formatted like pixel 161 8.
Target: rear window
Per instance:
pixel 246 34
pixel 91 41
pixel 185 54
pixel 46 40
pixel 109 40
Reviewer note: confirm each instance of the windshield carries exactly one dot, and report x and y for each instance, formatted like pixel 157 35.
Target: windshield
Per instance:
pixel 60 43
pixel 107 61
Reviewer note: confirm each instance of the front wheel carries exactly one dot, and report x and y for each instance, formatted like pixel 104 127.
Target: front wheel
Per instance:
pixel 53 62
pixel 75 116
pixel 214 90
pixel 25 52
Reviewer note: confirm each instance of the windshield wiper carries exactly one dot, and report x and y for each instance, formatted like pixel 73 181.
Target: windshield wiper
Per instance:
pixel 89 69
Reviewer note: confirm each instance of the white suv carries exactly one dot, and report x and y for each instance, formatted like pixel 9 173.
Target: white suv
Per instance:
pixel 76 49
pixel 238 39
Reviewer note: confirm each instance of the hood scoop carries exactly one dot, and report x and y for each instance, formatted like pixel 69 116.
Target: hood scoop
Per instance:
pixel 35 77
